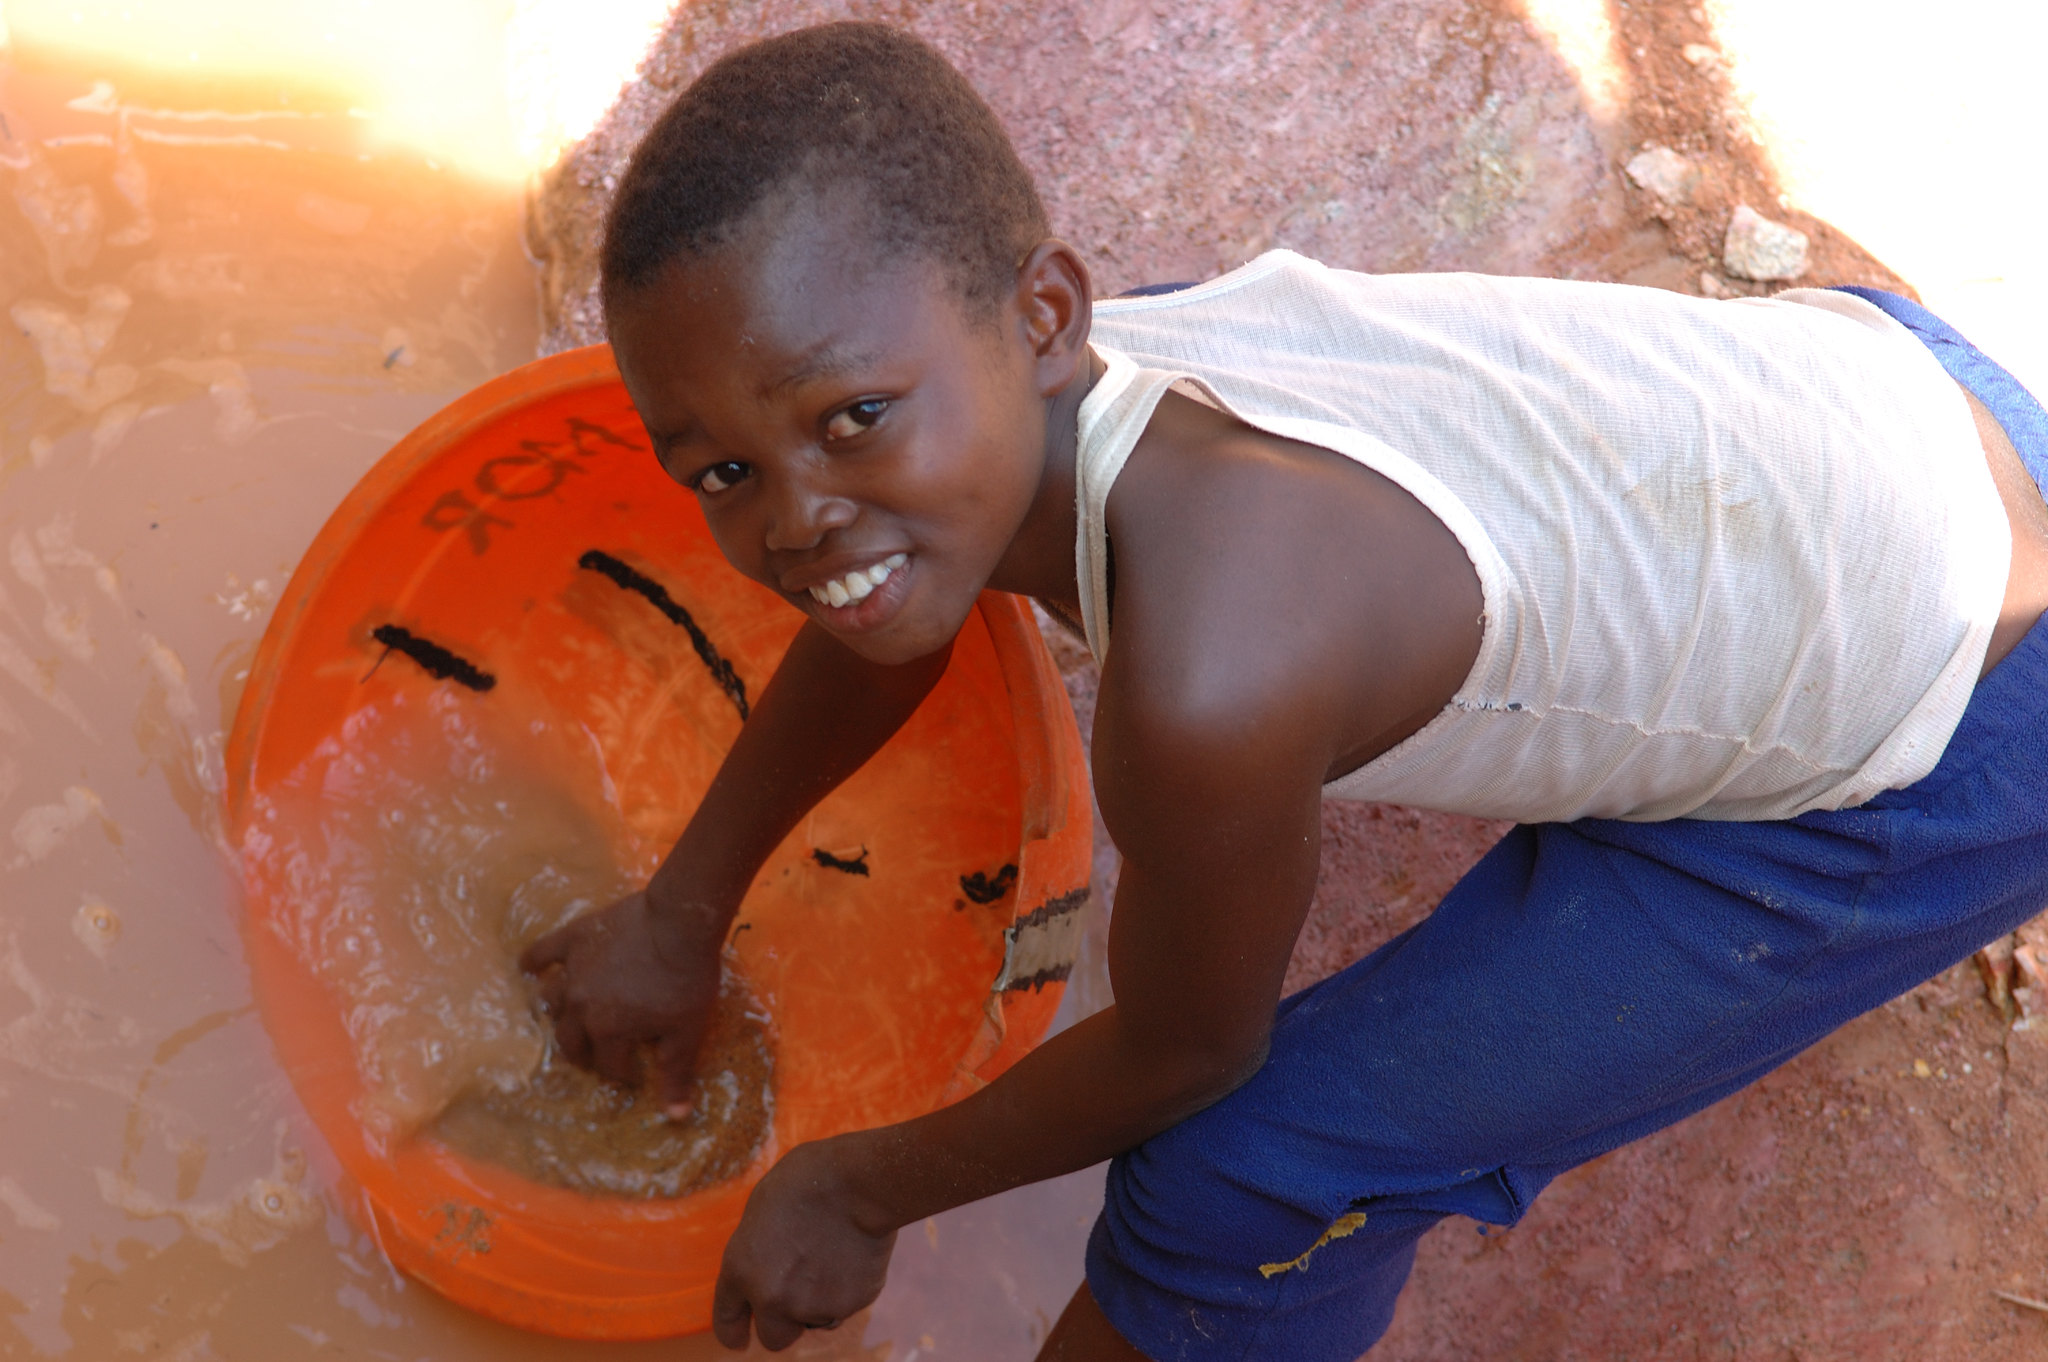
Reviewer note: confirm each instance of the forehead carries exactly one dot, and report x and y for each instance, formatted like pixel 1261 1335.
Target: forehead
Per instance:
pixel 800 287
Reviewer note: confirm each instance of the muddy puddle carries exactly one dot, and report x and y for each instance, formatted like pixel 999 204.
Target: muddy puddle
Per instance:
pixel 223 308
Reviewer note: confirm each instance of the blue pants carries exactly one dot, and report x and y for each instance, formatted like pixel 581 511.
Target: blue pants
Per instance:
pixel 1584 985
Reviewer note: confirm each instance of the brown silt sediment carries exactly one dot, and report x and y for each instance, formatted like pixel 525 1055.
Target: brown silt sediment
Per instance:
pixel 424 859
pixel 566 1127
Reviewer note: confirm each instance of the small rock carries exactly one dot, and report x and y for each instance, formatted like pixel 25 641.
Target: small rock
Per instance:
pixel 1665 173
pixel 1700 55
pixel 1713 286
pixel 1757 248
pixel 96 926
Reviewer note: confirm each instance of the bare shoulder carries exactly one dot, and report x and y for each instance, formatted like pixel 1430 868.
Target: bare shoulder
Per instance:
pixel 1277 593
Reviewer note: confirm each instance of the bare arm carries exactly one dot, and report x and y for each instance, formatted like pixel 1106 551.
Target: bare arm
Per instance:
pixel 644 972
pixel 1215 885
pixel 1216 881
pixel 824 713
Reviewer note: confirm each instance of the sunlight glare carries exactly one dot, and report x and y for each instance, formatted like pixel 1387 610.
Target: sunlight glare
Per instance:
pixel 494 87
pixel 565 64
pixel 1914 129
pixel 1581 33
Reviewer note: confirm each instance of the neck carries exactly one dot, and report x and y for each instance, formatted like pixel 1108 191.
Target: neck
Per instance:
pixel 1040 562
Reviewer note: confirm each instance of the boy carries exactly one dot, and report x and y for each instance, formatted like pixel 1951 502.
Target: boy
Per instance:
pixel 1730 605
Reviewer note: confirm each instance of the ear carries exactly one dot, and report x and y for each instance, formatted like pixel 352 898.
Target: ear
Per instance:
pixel 1055 307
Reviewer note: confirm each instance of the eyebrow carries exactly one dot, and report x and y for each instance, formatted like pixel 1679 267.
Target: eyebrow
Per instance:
pixel 821 360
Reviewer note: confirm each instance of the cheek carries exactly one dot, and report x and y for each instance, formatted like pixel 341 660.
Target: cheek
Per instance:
pixel 986 470
pixel 997 491
pixel 739 539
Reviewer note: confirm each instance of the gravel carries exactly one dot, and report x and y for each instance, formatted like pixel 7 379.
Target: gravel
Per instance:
pixel 1757 248
pixel 1665 173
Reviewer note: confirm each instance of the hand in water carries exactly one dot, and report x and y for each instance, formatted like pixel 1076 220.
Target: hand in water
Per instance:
pixel 622 981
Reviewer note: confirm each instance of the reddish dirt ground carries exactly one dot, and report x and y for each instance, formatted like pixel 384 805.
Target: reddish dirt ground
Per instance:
pixel 1868 1199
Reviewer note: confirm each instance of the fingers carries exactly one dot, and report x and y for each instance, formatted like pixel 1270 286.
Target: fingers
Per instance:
pixel 730 1313
pixel 617 1057
pixel 674 1064
pixel 572 1040
pixel 552 949
pixel 776 1332
pixel 553 988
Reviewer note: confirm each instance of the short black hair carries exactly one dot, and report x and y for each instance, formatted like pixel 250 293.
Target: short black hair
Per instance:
pixel 856 104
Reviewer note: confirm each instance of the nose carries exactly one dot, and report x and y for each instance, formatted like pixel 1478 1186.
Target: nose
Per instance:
pixel 802 514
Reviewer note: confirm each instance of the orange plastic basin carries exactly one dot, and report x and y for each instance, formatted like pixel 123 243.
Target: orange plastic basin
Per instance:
pixel 891 992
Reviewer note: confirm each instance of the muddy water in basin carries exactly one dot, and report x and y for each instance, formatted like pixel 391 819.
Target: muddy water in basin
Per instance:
pixel 423 849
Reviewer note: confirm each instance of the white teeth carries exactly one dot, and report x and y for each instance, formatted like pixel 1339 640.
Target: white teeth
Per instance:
pixel 858 584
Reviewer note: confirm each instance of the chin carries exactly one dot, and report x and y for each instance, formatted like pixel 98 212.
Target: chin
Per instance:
pixel 903 640
pixel 895 650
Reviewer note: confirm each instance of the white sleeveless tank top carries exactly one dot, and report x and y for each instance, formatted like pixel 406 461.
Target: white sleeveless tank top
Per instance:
pixel 1740 559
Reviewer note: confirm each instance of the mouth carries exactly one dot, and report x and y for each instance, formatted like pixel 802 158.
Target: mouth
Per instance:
pixel 862 597
pixel 859 584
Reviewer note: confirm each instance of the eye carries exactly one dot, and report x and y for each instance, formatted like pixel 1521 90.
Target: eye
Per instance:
pixel 848 422
pixel 720 476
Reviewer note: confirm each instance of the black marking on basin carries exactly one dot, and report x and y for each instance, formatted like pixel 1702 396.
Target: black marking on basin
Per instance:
pixel 628 578
pixel 433 659
pixel 857 866
pixel 988 888
pixel 1055 974
pixel 1040 948
pixel 1073 901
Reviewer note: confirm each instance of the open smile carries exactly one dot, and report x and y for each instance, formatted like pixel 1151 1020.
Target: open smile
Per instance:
pixel 858 584
pixel 862 598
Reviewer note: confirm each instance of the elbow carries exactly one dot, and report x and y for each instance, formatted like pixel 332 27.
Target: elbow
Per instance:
pixel 1199 1077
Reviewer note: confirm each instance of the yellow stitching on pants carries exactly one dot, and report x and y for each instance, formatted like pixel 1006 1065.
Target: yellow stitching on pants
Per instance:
pixel 1343 1226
